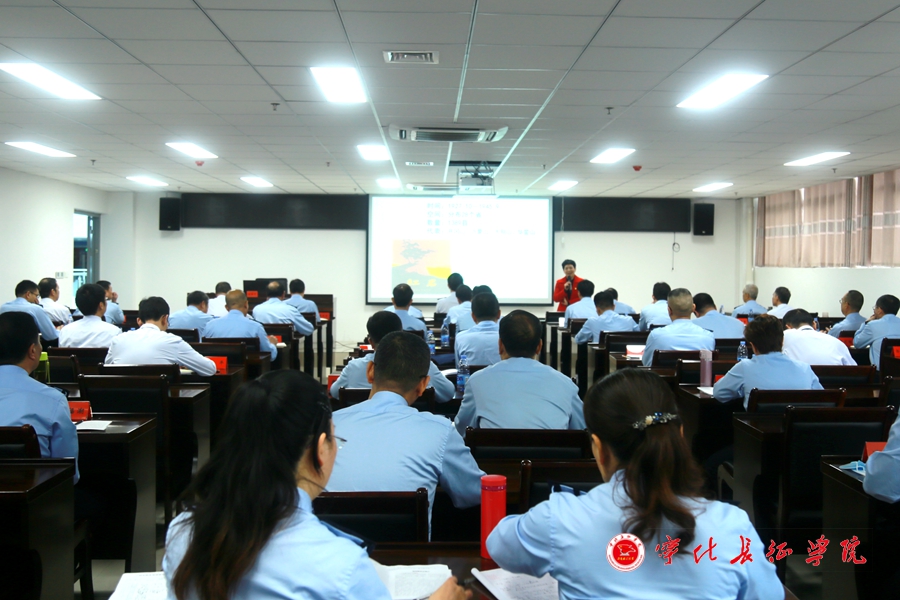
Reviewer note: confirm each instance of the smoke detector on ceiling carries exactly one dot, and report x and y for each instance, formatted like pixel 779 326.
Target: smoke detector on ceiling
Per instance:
pixel 411 57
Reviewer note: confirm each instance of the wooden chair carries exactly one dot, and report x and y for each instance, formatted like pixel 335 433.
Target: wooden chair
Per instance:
pixel 235 352
pixel 252 344
pixel 728 347
pixel 19 442
pixel 688 371
pixel 439 319
pixel 666 359
pixel 890 392
pixel 538 478
pixel 531 444
pixel 171 372
pixel 131 317
pixel 188 335
pixel 835 376
pixel 777 401
pixel 377 516
pixel 63 369
pixel 889 361
pixel 616 341
pixel 89 359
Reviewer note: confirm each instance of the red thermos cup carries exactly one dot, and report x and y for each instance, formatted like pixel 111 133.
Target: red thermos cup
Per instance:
pixel 493 506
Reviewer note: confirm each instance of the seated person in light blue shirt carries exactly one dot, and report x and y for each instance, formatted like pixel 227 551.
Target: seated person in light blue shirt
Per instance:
pixel 253 533
pixel 297 288
pixel 882 324
pixel 780 298
pixel 461 314
pixel 621 307
pixel 851 304
pixel 658 312
pixel 722 326
pixel 194 316
pixel 26 401
pixel 402 299
pixel 235 324
pixel 652 490
pixel 584 308
pixel 769 369
pixel 444 304
pixel 480 343
pixel 275 310
pixel 355 373
pixel 519 392
pixel 681 334
pixel 113 314
pixel 883 469
pixel 750 305
pixel 395 447
pixel 606 319
pixel 28 300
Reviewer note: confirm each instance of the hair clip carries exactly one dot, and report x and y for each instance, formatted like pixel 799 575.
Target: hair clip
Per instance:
pixel 654 419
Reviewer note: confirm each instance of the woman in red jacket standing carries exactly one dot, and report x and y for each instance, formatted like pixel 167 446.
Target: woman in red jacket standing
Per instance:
pixel 566 290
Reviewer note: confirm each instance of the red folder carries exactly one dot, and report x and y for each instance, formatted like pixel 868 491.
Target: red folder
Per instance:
pixel 221 363
pixel 80 410
pixel 871 448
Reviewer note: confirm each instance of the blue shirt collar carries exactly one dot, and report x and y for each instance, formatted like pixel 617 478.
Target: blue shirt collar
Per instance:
pixel 20 300
pixel 486 326
pixel 272 300
pixel 304 502
pixel 235 313
pixel 382 401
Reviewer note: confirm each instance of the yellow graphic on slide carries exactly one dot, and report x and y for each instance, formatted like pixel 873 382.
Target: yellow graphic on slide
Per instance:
pixel 422 264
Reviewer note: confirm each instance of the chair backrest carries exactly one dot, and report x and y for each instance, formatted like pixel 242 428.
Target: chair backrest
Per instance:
pixel 728 347
pixel 188 335
pixel 831 376
pixel 131 317
pixel 688 371
pixel 63 369
pixel 235 351
pixel 283 330
pixel 88 358
pixel 668 358
pixel 531 444
pixel 141 394
pixel 171 372
pixel 575 325
pixel 377 516
pixel 538 478
pixel 890 392
pixel 616 341
pixel 19 442
pixel 889 362
pixel 439 319
pixel 777 401
pixel 553 316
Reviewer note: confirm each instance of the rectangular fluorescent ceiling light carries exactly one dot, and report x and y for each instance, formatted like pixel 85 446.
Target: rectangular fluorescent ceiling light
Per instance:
pixel 712 187
pixel 611 155
pixel 723 89
pixel 46 151
pixel 192 150
pixel 48 80
pixel 388 183
pixel 147 181
pixel 563 185
pixel 257 182
pixel 816 158
pixel 374 152
pixel 339 84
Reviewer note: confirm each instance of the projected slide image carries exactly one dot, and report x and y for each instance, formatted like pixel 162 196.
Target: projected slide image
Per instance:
pixel 423 264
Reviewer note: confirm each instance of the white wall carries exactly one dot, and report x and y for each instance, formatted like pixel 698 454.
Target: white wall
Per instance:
pixel 820 290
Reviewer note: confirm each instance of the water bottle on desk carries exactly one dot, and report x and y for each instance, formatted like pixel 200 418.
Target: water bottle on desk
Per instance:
pixel 462 374
pixel 445 336
pixel 429 339
pixel 742 352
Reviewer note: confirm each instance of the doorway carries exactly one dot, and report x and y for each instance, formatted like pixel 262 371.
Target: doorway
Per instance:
pixel 86 257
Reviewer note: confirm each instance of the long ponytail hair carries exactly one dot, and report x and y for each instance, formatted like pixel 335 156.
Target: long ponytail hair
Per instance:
pixel 659 468
pixel 249 485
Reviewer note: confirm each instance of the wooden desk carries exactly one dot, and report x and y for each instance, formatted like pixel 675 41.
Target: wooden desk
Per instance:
pixel 860 355
pixel 126 450
pixel 707 422
pixel 597 363
pixel 620 360
pixel 221 387
pixel 554 344
pixel 757 452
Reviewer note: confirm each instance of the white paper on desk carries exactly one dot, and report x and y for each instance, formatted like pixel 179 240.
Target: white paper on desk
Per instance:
pixel 186 371
pixel 93 425
pixel 141 586
pixel 511 586
pixel 706 390
pixel 281 345
pixel 412 582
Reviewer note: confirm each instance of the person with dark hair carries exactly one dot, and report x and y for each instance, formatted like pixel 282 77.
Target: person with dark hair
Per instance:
pixel 882 324
pixel 28 301
pixel 461 314
pixel 58 312
pixel 652 490
pixel 681 334
pixel 276 310
pixel 722 326
pixel 769 369
pixel 445 304
pixel 401 303
pixel 251 532
pixel 395 447
pixel 114 314
pixel 195 315
pixel 217 304
pixel 851 304
pixel 26 401
pixel 298 299
pixel 750 305
pixel 566 289
pixel 621 307
pixel 235 324
pixel 480 343
pixel 584 308
pixel 481 289
pixel 153 345
pixel 804 344
pixel 354 373
pixel 519 392
pixel 605 319
pixel 91 331
pixel 656 313
pixel 780 299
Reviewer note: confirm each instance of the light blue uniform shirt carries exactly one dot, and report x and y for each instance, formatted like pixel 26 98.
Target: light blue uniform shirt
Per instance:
pixel 274 310
pixel 751 307
pixel 304 558
pixel 772 371
pixel 413 311
pixel 567 536
pixel 624 309
pixel 608 321
pixel 583 309
pixel 409 322
pixel 236 325
pixel 114 314
pixel 655 314
pixel 882 478
pixel 303 305
pixel 395 448
pixel 353 375
pixel 25 401
pixel 480 344
pixel 520 393
pixel 871 333
pixel 851 322
pixel 37 312
pixel 461 314
pixel 190 318
pixel 722 326
pixel 680 335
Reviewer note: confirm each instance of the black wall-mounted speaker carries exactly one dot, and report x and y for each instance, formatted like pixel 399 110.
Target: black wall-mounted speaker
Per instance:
pixel 170 214
pixel 704 219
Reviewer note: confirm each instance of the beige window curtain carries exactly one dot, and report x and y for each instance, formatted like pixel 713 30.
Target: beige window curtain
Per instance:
pixel 860 222
pixel 886 219
pixel 778 216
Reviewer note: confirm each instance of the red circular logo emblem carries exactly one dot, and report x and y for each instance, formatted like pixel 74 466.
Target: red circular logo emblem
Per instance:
pixel 625 552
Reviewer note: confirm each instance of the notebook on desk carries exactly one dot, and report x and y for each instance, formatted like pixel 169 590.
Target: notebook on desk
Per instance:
pixel 511 586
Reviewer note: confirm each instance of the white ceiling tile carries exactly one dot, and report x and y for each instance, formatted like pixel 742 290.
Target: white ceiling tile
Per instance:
pixel 209 75
pixel 63 50
pixel 267 4
pixel 633 59
pixel 595 98
pixel 149 24
pixel 408 28
pixel 511 57
pixel 128 3
pixel 877 86
pixel 499 96
pixel 423 96
pixel 586 8
pixel 412 77
pixel 823 10
pixel 849 64
pixel 86 73
pixel 719 61
pixel 854 102
pixel 539 30
pixel 808 84
pixel 613 80
pixel 298 93
pixel 171 52
pixel 512 79
pixel 631 32
pixel 874 37
pixel 749 34
pixel 712 9
pixel 38 22
pixel 279 25
pixel 407 6
pixel 297 55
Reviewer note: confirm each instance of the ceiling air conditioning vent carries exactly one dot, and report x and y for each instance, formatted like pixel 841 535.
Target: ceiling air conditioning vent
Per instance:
pixel 442 188
pixel 411 57
pixel 411 163
pixel 446 134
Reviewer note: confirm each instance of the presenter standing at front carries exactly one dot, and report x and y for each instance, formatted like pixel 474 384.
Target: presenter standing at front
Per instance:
pixel 566 290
